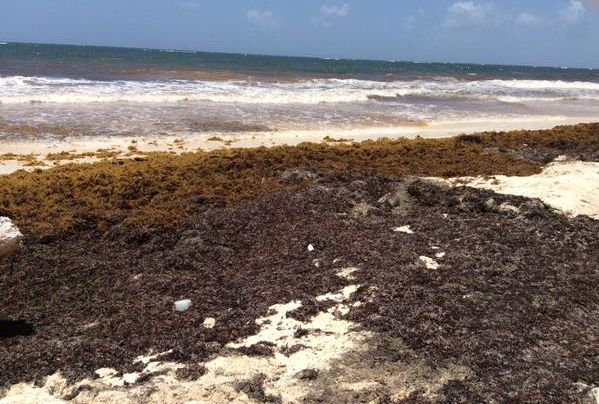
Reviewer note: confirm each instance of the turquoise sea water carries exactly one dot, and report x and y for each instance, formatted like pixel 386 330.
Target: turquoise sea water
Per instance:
pixel 112 63
pixel 115 91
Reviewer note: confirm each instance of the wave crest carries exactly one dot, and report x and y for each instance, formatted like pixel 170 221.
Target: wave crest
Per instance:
pixel 19 89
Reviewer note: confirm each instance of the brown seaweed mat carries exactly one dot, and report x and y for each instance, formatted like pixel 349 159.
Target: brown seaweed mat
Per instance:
pixel 160 189
pixel 514 300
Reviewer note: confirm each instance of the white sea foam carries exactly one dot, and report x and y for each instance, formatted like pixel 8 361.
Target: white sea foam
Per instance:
pixel 546 84
pixel 18 89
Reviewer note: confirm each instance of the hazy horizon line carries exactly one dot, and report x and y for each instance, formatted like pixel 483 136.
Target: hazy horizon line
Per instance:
pixel 295 56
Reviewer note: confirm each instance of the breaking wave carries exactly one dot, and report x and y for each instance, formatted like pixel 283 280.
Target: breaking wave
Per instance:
pixel 19 89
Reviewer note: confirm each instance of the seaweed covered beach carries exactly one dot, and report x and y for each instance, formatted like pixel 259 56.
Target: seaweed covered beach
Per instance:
pixel 338 272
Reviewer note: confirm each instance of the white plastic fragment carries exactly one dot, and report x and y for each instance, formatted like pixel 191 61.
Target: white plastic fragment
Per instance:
pixel 209 323
pixel 182 305
pixel 310 247
pixel 10 237
pixel 440 255
pixel 403 229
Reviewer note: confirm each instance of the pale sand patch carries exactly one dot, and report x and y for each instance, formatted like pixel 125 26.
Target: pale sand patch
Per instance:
pixel 347 273
pixel 336 350
pixel 570 186
pixel 360 375
pixel 329 338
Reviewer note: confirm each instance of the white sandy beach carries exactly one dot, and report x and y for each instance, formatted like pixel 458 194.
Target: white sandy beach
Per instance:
pixel 186 142
pixel 572 187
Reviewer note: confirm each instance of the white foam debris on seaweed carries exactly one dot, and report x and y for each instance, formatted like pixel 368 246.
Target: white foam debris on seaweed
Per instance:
pixel 403 229
pixel 429 262
pixel 570 186
pixel 10 237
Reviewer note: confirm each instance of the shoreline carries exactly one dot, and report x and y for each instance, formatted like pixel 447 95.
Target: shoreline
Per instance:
pixel 32 154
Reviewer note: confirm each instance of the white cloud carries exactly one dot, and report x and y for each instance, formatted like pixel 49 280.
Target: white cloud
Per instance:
pixel 573 11
pixel 336 11
pixel 464 14
pixel 530 20
pixel 328 13
pixel 265 19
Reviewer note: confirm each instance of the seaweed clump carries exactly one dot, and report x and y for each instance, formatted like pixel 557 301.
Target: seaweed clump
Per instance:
pixel 575 141
pixel 160 190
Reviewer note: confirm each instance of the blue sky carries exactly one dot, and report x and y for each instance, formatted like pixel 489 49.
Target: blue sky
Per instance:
pixel 531 32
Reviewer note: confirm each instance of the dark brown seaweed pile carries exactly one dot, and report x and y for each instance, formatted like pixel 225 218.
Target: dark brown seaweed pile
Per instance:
pixel 514 299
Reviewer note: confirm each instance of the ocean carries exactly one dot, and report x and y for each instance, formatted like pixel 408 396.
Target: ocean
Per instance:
pixel 105 91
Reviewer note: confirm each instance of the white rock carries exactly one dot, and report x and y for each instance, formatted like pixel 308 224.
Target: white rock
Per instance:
pixel 10 237
pixel 209 323
pixel 310 247
pixel 440 255
pixel 182 305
